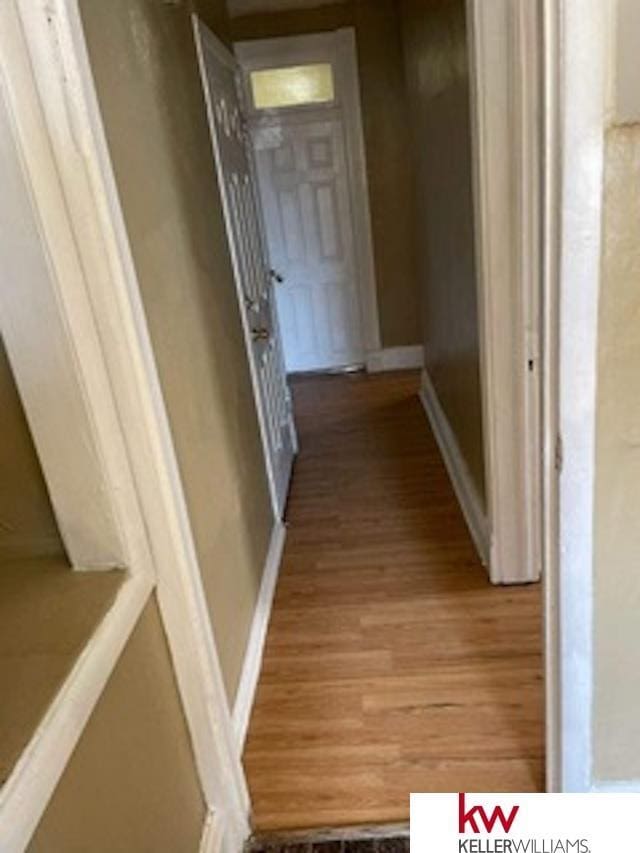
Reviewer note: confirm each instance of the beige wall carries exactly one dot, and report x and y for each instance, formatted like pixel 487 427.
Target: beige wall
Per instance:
pixel 438 81
pixel 131 785
pixel 616 529
pixel 385 121
pixel 145 67
pixel 27 524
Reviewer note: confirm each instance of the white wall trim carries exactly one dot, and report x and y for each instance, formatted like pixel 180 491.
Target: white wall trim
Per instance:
pixel 70 154
pixel 357 162
pixel 59 335
pixel 505 109
pixel 396 358
pixel 93 197
pixel 459 474
pixel 47 321
pixel 212 838
pixel 338 47
pixel 552 214
pixel 255 646
pixel 572 289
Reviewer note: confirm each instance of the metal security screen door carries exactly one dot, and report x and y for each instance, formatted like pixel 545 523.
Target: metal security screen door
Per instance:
pixel 251 270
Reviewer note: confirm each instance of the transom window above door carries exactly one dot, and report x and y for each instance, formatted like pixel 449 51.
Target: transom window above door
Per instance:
pixel 292 86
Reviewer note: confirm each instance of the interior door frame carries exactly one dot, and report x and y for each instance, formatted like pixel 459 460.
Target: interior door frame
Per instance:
pixel 203 36
pixel 339 48
pixel 505 71
pixel 578 55
pixel 556 65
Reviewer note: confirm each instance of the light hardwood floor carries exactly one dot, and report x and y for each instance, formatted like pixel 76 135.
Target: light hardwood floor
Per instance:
pixel 391 664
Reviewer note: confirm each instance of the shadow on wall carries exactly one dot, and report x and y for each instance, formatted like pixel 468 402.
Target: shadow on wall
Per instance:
pixel 27 524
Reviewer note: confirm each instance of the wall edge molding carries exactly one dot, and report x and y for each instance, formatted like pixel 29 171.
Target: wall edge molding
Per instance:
pixel 212 834
pixel 257 636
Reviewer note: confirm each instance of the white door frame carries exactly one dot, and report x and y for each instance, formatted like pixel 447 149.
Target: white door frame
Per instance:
pixel 93 335
pixel 577 61
pixel 567 49
pixel 550 44
pixel 339 48
pixel 504 49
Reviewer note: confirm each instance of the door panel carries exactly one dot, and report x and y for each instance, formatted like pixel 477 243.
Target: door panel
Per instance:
pixel 251 269
pixel 303 180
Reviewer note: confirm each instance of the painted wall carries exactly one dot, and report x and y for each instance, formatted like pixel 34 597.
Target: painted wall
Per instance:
pixel 617 499
pixel 437 73
pixel 131 784
pixel 27 524
pixel 145 67
pixel 385 122
pixel 616 688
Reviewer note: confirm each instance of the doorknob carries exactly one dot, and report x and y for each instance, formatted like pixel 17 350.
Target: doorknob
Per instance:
pixel 260 334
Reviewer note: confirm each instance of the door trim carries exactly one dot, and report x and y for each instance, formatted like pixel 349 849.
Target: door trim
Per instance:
pixel 339 48
pixel 576 71
pixel 505 100
pixel 551 218
pixel 570 54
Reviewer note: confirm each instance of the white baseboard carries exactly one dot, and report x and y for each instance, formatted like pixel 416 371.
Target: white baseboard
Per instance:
pixel 257 636
pixel 395 358
pixel 459 474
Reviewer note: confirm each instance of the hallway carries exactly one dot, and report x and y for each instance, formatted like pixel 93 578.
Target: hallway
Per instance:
pixel 391 664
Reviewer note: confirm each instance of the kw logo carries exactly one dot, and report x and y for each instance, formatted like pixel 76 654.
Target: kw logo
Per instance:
pixel 477 814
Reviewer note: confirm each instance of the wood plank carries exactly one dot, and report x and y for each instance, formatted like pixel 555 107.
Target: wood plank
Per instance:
pixel 391 664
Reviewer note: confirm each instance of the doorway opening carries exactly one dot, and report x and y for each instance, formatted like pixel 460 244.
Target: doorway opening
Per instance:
pixel 391 662
pixel 303 109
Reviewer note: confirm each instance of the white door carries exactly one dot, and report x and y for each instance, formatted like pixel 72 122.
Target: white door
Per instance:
pixel 251 270
pixel 304 185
